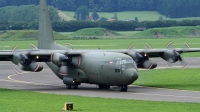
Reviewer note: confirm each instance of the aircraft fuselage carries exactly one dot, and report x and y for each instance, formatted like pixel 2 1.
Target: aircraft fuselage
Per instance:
pixel 104 68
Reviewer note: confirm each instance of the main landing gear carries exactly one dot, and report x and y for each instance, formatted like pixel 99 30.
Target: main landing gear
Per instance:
pixel 103 87
pixel 73 86
pixel 122 88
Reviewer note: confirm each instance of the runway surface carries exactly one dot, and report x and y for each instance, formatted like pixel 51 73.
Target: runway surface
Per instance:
pixel 47 82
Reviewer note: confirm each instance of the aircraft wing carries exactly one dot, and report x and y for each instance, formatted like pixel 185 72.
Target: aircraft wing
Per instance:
pixel 157 52
pixel 41 55
pixel 46 54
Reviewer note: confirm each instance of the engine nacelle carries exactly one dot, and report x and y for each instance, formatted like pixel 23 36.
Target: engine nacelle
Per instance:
pixel 63 70
pixel 68 80
pixel 148 64
pixel 171 56
pixel 33 67
pixel 137 57
pixel 58 58
pixel 26 64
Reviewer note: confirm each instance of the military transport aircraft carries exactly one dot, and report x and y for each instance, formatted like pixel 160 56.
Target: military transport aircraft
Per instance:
pixel 102 67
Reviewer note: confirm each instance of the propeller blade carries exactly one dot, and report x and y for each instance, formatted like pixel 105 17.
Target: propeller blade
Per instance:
pixel 148 46
pixel 167 65
pixel 13 50
pixel 34 46
pixel 170 45
pixel 131 47
pixel 16 71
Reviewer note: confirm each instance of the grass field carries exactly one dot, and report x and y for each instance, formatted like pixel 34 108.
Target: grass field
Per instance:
pixel 25 35
pixel 166 32
pixel 98 33
pixel 170 32
pixel 130 15
pixel 127 15
pixel 112 44
pixel 94 32
pixel 24 101
pixel 187 79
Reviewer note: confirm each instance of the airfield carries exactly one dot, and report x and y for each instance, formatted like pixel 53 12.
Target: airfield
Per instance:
pixel 47 82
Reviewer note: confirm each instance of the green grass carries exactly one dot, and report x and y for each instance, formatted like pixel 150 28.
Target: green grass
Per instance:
pixel 187 79
pixel 128 33
pixel 25 35
pixel 98 33
pixel 166 32
pixel 142 15
pixel 24 101
pixel 169 32
pixel 113 44
pixel 66 33
pixel 94 32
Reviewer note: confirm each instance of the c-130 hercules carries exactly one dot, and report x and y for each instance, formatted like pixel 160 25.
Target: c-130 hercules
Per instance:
pixel 102 67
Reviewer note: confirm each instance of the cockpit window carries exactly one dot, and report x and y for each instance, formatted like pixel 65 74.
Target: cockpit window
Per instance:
pixel 126 61
pixel 119 61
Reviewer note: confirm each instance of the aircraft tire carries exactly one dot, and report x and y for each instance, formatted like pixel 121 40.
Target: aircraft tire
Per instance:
pixel 74 86
pixel 125 88
pixel 103 87
pixel 122 88
pixel 68 86
pixel 107 87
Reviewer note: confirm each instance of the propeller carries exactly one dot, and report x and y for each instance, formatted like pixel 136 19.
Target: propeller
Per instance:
pixel 137 56
pixel 14 68
pixel 141 59
pixel 176 55
pixel 24 62
pixel 61 61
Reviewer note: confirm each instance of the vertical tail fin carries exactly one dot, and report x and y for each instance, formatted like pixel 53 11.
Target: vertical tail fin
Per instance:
pixel 45 37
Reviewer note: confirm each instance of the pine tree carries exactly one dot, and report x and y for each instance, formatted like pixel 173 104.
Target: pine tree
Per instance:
pixel 95 16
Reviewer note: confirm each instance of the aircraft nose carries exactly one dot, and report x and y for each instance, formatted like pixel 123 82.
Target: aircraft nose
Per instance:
pixel 130 75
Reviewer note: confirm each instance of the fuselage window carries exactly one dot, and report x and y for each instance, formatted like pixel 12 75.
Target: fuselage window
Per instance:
pixel 117 69
pixel 123 67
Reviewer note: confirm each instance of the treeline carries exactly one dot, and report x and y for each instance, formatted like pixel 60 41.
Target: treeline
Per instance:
pixel 179 8
pixel 70 26
pixel 170 8
pixel 25 13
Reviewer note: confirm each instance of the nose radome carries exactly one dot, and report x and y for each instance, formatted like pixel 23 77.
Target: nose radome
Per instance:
pixel 130 75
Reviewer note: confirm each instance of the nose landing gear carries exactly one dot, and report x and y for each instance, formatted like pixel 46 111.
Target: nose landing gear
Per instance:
pixel 122 88
pixel 73 86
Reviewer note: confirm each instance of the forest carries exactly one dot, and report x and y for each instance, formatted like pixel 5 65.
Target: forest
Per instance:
pixel 71 26
pixel 26 13
pixel 169 8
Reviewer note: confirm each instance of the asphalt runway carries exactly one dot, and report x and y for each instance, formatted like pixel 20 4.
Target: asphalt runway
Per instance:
pixel 47 82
